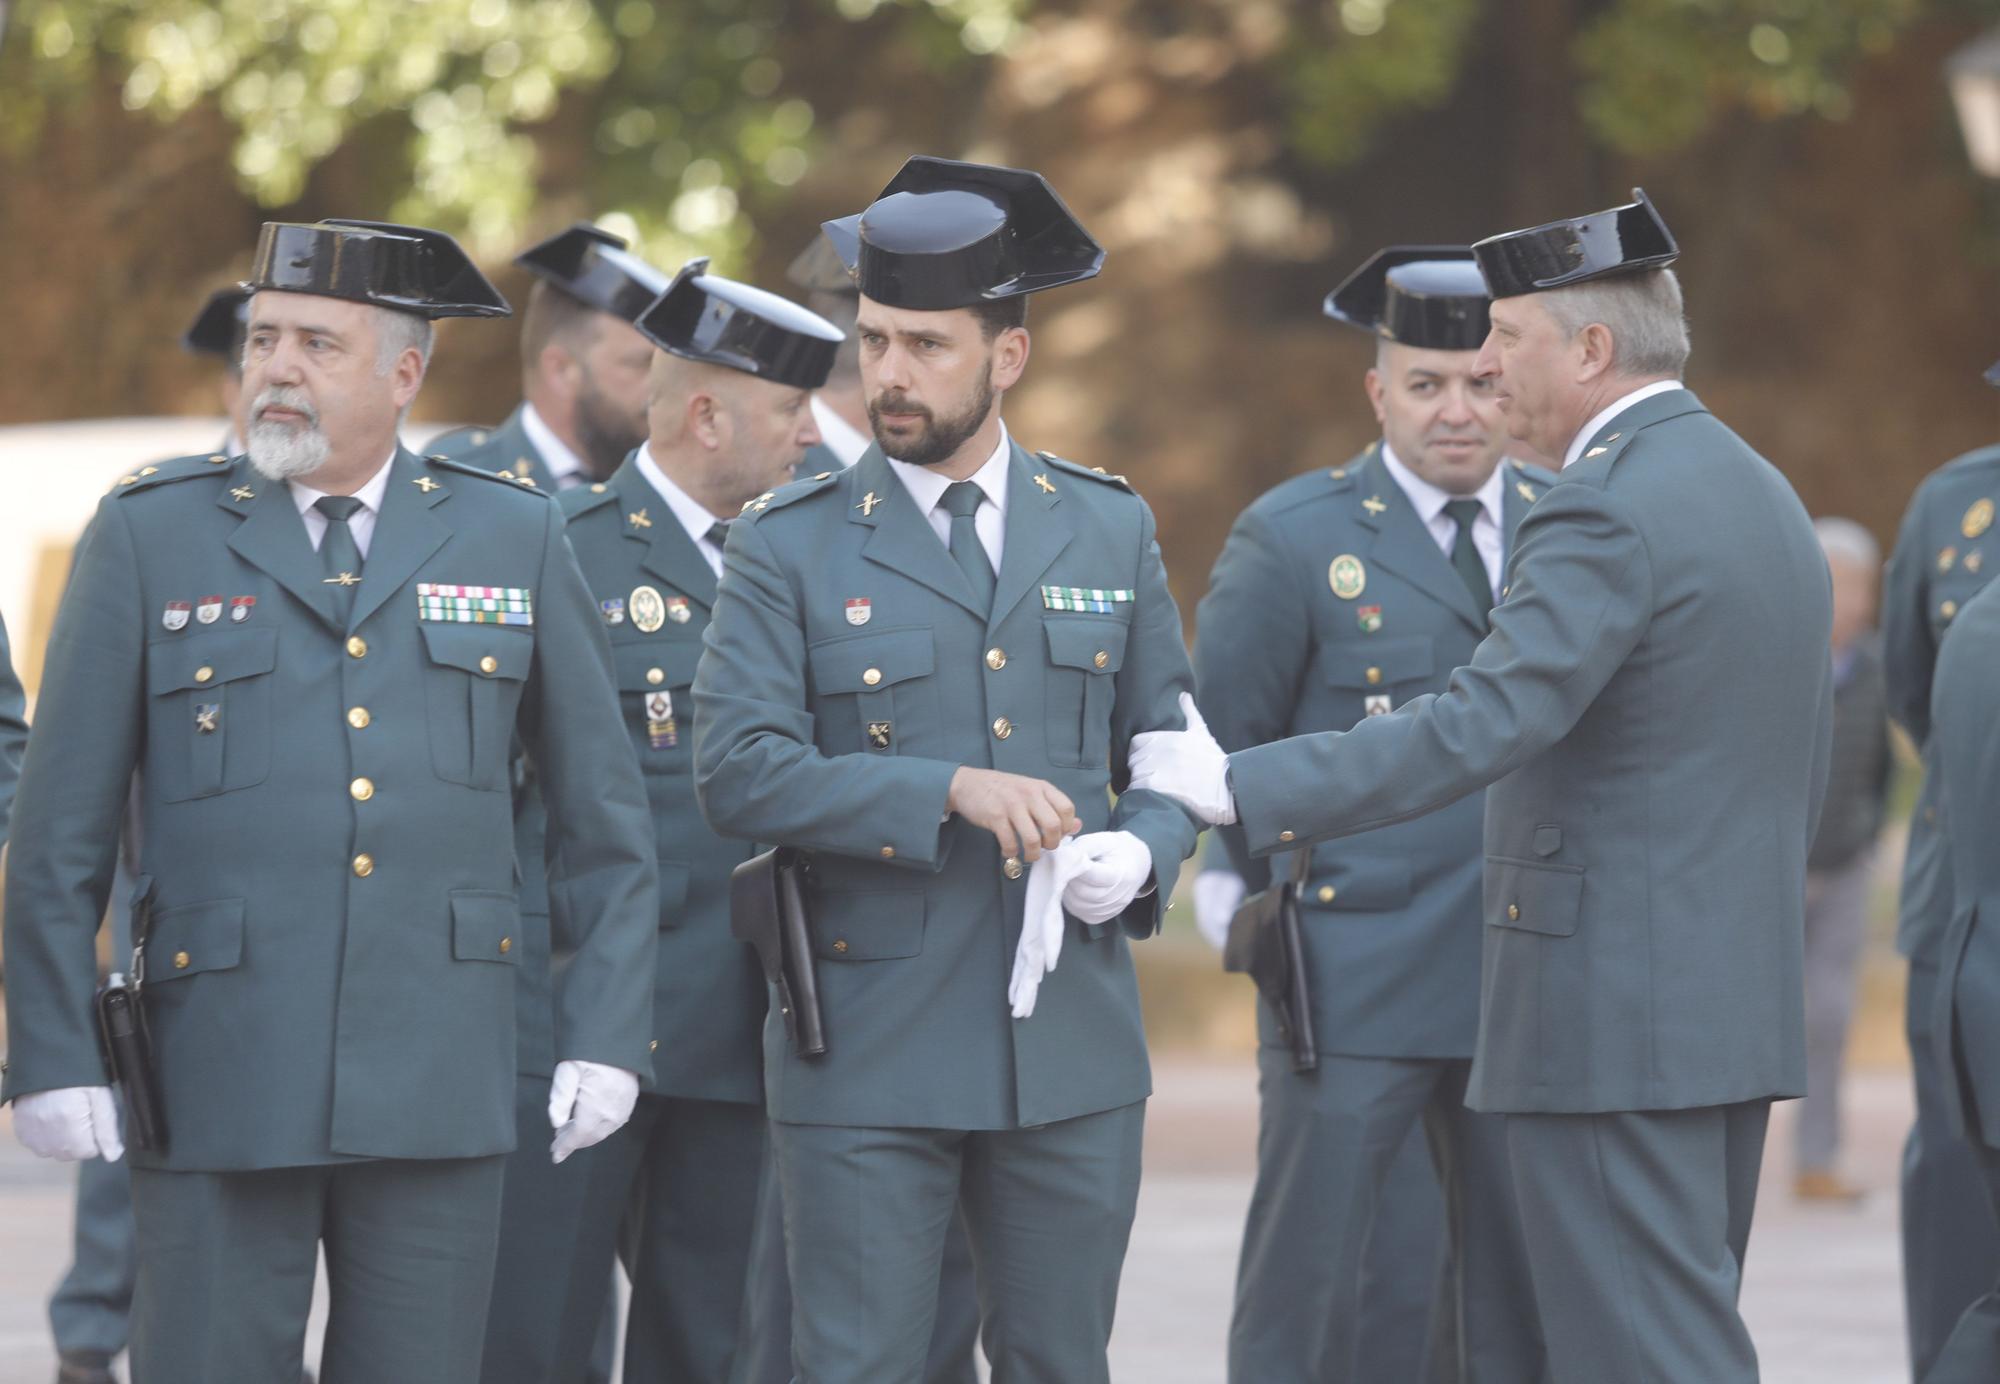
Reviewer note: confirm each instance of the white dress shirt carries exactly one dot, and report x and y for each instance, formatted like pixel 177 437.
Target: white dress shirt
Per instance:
pixel 989 521
pixel 565 467
pixel 838 435
pixel 1429 502
pixel 1618 406
pixel 361 523
pixel 692 514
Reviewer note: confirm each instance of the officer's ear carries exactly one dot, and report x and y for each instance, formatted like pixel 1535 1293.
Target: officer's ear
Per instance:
pixel 707 419
pixel 1009 358
pixel 1371 384
pixel 1595 352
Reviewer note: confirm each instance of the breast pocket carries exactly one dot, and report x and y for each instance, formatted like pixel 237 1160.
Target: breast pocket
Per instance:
pixel 1373 676
pixel 1085 653
pixel 472 690
pixel 654 682
pixel 876 693
pixel 210 725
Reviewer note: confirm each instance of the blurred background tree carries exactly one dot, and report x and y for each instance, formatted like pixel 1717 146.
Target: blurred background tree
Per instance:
pixel 1236 157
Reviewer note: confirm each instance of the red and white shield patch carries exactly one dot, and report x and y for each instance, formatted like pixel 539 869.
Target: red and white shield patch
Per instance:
pixel 208 609
pixel 858 611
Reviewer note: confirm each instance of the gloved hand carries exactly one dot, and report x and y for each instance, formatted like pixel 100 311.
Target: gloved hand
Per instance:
pixel 588 1101
pixel 73 1123
pixel 1120 864
pixel 1217 895
pixel 1042 922
pixel 1187 766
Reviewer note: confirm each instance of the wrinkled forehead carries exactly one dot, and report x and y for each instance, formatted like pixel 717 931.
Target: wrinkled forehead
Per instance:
pixel 273 310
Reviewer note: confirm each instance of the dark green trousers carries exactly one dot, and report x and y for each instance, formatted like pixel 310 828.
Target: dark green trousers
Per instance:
pixel 226 1266
pixel 1972 1353
pixel 867 1213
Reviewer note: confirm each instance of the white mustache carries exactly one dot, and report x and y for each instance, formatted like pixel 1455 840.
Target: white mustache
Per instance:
pixel 278 396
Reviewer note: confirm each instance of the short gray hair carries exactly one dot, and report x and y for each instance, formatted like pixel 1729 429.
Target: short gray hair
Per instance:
pixel 1843 540
pixel 1643 312
pixel 397 332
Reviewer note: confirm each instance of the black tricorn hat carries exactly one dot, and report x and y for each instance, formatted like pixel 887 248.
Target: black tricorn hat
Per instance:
pixel 1622 240
pixel 1420 295
pixel 217 330
pixel 594 267
pixel 704 317
pixel 945 234
pixel 819 269
pixel 407 268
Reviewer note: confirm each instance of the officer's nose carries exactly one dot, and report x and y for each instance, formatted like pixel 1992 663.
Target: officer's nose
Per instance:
pixel 809 434
pixel 1486 365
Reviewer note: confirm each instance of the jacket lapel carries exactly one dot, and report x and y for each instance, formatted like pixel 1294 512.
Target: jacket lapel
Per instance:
pixel 1404 546
pixel 407 533
pixel 1037 529
pixel 272 537
pixel 668 552
pixel 903 539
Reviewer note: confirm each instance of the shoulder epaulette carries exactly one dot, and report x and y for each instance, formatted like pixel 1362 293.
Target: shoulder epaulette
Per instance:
pixel 179 469
pixel 507 478
pixel 466 438
pixel 788 493
pixel 1077 468
pixel 581 499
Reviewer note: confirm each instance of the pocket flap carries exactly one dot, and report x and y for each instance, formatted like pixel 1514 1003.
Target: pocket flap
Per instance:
pixel 210 658
pixel 674 878
pixel 1533 897
pixel 1376 663
pixel 487 651
pixel 1094 645
pixel 485 926
pixel 194 937
pixel 866 662
pixel 1373 884
pixel 869 925
pixel 646 665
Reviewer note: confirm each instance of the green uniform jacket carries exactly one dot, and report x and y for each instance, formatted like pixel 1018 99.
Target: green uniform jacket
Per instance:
pixel 709 997
pixel 1653 708
pixel 1945 554
pixel 848 674
pixel 13 731
pixel 1392 934
pixel 326 818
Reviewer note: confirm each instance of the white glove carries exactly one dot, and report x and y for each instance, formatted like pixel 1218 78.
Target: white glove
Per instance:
pixel 1120 864
pixel 1186 765
pixel 588 1101
pixel 1217 895
pixel 1042 922
pixel 73 1123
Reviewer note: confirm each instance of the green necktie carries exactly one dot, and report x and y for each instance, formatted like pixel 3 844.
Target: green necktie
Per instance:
pixel 339 558
pixel 1465 559
pixel 961 502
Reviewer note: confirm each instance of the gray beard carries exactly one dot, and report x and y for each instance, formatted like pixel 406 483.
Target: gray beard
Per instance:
pixel 280 453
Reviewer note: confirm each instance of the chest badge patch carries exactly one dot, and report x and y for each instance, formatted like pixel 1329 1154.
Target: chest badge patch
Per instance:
pixel 662 730
pixel 1347 576
pixel 1370 618
pixel 175 616
pixel 677 610
pixel 1376 705
pixel 859 611
pixel 240 608
pixel 1978 519
pixel 208 610
pixel 880 733
pixel 648 609
pixel 1973 561
pixel 1091 600
pixel 207 717
pixel 452 603
pixel 614 610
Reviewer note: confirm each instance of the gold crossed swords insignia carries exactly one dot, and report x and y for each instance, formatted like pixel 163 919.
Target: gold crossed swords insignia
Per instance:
pixel 426 484
pixel 242 492
pixel 344 579
pixel 868 503
pixel 1373 504
pixel 639 520
pixel 1043 482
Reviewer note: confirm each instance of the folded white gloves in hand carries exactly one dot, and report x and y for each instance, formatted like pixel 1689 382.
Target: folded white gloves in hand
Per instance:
pixel 588 1101
pixel 1120 864
pixel 1217 896
pixel 73 1123
pixel 1187 766
pixel 1094 877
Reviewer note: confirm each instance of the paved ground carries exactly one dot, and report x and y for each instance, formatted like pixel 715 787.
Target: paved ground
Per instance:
pixel 1822 1293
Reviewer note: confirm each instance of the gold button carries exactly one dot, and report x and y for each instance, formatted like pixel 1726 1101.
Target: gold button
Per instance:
pixel 357 647
pixel 364 865
pixel 1002 728
pixel 489 664
pixel 888 852
pixel 362 789
pixel 871 676
pixel 1326 893
pixel 1374 676
pixel 656 676
pixel 1948 609
pixel 597 488
pixel 358 717
pixel 203 673
pixel 840 944
pixel 1012 866
pixel 996 659
pixel 1284 836
pixel 1513 913
pixel 1100 658
pixel 181 960
pixel 653 1046
pixel 506 945
pixel 149 470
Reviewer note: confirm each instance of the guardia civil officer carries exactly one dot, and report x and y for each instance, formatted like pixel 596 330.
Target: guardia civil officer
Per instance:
pixel 583 367
pixel 1645 857
pixel 1965 732
pixel 583 373
pixel 316 657
pixel 924 671
pixel 1945 554
pixel 728 421
pixel 1343 594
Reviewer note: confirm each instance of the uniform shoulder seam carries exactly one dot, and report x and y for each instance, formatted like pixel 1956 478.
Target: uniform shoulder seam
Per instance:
pixel 1095 473
pixel 506 478
pixel 789 493
pixel 159 473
